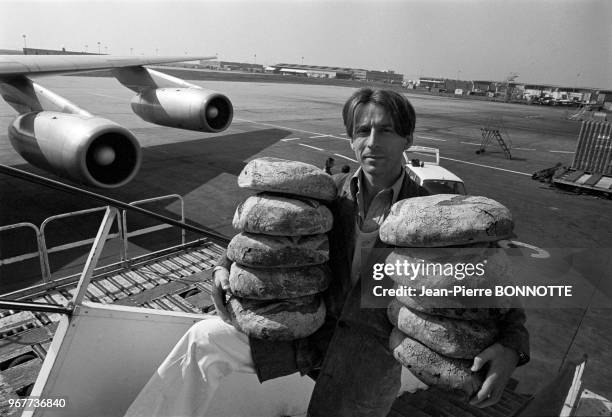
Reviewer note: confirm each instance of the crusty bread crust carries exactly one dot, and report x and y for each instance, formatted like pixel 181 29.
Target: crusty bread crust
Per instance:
pixel 277 283
pixel 454 338
pixel 288 177
pixel 435 369
pixel 277 320
pixel 262 251
pixel 446 220
pixel 275 215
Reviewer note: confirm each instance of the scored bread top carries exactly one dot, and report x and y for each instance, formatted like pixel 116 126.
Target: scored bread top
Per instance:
pixel 287 177
pixel 446 220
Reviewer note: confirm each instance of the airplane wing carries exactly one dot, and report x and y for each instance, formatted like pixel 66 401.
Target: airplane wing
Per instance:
pixel 15 65
pixel 56 135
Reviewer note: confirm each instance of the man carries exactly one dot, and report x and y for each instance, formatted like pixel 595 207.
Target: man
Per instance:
pixel 356 374
pixel 340 177
pixel 329 164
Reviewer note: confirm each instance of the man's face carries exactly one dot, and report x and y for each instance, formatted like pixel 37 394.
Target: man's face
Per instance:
pixel 378 148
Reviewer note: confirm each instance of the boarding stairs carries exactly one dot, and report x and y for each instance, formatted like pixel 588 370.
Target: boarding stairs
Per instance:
pixel 488 135
pixel 176 278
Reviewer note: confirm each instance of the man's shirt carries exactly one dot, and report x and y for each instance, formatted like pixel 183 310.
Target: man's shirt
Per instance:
pixel 368 223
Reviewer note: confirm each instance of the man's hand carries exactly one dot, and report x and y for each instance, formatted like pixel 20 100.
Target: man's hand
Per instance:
pixel 219 288
pixel 502 361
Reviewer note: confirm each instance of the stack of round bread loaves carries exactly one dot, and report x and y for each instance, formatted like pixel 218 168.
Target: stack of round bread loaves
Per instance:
pixel 279 256
pixel 437 337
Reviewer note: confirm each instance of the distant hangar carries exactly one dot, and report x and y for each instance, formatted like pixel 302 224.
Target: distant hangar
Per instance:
pixel 342 73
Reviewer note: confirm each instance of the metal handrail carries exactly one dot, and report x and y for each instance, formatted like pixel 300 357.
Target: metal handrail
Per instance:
pixel 126 234
pixel 45 250
pixel 23 257
pixel 96 250
pixel 37 179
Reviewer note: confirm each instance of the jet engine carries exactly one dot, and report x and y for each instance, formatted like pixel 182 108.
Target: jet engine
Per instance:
pixel 185 108
pixel 90 150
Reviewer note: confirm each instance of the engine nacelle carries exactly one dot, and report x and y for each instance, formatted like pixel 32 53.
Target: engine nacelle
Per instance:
pixel 185 108
pixel 90 150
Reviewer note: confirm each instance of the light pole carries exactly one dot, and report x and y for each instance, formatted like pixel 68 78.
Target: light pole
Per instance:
pixel 131 51
pixel 86 48
pixel 156 51
pixel 24 43
pixel 106 50
pixel 98 48
pixel 255 59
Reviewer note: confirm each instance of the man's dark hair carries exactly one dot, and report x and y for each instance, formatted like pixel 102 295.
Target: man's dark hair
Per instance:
pixel 401 111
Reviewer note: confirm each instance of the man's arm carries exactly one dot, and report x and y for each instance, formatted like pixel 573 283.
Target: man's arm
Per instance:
pixel 511 350
pixel 221 286
pixel 514 335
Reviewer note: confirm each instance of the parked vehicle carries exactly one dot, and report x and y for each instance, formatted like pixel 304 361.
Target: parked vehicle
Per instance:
pixel 430 175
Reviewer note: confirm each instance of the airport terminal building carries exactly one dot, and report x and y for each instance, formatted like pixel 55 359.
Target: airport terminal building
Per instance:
pixel 317 71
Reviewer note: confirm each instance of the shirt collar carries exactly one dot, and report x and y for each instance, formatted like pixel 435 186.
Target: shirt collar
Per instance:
pixel 356 182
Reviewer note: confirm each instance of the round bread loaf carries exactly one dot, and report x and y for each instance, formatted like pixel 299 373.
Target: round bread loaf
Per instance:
pixel 454 338
pixel 260 251
pixel 277 283
pixel 424 305
pixel 445 220
pixel 288 177
pixel 434 369
pixel 277 320
pixel 443 268
pixel 281 216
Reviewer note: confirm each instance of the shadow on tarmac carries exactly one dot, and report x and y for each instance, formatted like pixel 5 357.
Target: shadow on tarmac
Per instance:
pixel 177 168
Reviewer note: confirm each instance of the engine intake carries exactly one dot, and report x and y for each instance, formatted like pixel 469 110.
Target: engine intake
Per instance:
pixel 90 150
pixel 185 108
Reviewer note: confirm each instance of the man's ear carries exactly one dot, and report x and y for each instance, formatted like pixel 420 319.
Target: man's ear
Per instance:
pixel 408 142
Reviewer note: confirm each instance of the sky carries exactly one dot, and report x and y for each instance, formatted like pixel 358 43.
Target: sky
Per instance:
pixel 560 42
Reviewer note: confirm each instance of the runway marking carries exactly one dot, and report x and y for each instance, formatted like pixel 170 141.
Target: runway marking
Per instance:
pixel 486 166
pixel 288 128
pixel 288 139
pixel 317 136
pixel 561 151
pixel 342 156
pixel 539 252
pixel 430 138
pixel 345 157
pixel 471 143
pixel 313 147
pixel 524 149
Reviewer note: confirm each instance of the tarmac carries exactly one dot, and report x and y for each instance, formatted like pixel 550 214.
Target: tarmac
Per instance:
pixel 562 237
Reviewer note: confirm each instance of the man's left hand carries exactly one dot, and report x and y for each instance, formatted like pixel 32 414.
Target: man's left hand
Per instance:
pixel 502 361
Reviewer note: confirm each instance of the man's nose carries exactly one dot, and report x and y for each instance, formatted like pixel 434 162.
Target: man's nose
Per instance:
pixel 373 138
